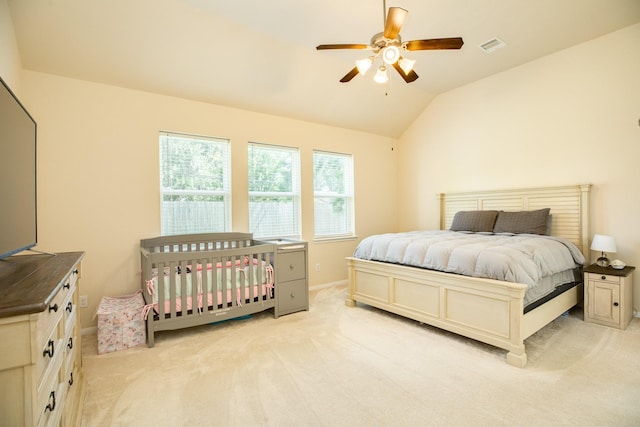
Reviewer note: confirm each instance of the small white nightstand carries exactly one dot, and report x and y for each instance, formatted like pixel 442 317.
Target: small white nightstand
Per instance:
pixel 608 296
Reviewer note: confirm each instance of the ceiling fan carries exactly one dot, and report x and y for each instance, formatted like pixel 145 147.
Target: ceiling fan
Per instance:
pixel 387 46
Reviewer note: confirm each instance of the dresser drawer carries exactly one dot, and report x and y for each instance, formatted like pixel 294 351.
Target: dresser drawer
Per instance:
pixel 53 417
pixel 50 393
pixel 69 313
pixel 50 317
pixel 50 350
pixel 291 266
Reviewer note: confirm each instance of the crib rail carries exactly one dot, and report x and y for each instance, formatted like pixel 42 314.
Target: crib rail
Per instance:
pixel 199 279
pixel 197 242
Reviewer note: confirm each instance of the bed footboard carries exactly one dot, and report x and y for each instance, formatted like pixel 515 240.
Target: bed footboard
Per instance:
pixel 486 310
pixel 192 280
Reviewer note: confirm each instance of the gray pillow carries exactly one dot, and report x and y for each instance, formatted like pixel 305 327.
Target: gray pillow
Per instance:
pixel 522 222
pixel 476 221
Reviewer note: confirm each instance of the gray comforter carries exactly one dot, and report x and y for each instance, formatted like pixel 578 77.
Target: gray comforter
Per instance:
pixel 521 258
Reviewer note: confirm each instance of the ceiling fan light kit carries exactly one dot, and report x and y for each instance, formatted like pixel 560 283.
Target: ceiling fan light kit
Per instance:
pixel 406 64
pixel 381 75
pixel 363 65
pixel 387 46
pixel 390 54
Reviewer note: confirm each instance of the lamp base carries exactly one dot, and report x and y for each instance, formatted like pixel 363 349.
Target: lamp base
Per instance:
pixel 603 261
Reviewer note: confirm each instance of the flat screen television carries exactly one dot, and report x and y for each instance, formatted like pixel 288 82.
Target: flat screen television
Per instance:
pixel 18 214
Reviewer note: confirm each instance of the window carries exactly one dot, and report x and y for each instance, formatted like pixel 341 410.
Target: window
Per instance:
pixel 274 191
pixel 333 195
pixel 195 184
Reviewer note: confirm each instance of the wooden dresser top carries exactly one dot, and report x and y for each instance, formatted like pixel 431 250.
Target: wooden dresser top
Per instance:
pixel 28 283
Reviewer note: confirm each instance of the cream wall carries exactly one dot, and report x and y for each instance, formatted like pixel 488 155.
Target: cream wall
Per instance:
pixel 10 64
pixel 568 118
pixel 98 174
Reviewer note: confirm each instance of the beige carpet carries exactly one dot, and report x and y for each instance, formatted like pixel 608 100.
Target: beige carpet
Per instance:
pixel 340 366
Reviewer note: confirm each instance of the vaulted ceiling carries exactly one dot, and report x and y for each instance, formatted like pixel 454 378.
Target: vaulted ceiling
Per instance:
pixel 260 55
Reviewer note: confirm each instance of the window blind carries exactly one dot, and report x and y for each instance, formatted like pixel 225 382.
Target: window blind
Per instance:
pixel 195 184
pixel 333 197
pixel 274 191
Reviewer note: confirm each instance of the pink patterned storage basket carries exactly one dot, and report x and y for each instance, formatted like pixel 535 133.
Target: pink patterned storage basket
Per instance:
pixel 120 322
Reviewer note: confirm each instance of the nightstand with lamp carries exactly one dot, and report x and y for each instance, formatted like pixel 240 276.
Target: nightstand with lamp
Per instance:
pixel 608 297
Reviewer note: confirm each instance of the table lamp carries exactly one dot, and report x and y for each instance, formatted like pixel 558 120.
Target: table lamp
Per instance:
pixel 603 244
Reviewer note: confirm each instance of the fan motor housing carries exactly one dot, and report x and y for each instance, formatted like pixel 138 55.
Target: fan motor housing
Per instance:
pixel 379 41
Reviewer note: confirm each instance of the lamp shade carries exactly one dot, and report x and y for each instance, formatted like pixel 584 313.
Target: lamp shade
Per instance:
pixel 363 65
pixel 381 75
pixel 406 64
pixel 603 243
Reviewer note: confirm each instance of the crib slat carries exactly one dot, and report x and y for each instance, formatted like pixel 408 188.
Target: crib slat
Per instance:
pixel 161 289
pixel 172 288
pixel 223 281
pixel 249 279
pixel 203 277
pixel 234 283
pixel 215 284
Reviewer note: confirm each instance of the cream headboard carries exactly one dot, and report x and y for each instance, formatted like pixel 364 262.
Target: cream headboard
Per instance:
pixel 569 208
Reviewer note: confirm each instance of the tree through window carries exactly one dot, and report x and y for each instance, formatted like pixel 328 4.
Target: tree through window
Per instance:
pixel 195 184
pixel 274 191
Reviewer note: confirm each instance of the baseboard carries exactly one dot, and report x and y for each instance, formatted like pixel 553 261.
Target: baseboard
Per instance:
pixel 328 285
pixel 89 331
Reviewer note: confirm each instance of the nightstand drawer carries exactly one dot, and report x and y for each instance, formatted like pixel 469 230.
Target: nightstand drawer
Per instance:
pixel 292 296
pixel 603 277
pixel 291 266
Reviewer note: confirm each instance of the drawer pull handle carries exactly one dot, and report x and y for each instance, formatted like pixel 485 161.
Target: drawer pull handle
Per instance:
pixel 604 277
pixel 69 307
pixel 75 271
pixel 67 285
pixel 615 304
pixel 49 350
pixel 293 295
pixel 70 343
pixel 291 266
pixel 53 307
pixel 71 379
pixel 52 398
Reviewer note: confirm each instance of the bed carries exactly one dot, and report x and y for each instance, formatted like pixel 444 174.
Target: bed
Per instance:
pixel 488 310
pixel 196 279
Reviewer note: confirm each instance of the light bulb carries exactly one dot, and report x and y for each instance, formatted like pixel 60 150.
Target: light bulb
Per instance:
pixel 406 65
pixel 363 65
pixel 390 54
pixel 381 75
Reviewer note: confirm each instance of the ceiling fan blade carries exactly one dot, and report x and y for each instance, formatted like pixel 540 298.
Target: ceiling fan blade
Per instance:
pixel 351 74
pixel 342 46
pixel 409 77
pixel 395 19
pixel 434 44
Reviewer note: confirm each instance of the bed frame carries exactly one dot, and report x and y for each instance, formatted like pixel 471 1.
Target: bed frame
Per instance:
pixel 486 310
pixel 185 251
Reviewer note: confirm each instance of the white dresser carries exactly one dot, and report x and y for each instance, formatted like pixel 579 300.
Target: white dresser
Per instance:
pixel 41 380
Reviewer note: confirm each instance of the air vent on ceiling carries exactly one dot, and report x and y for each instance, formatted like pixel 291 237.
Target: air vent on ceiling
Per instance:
pixel 491 45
